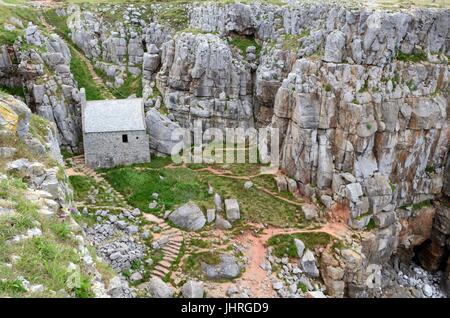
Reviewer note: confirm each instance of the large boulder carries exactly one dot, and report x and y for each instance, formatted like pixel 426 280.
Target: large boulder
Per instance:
pixel 222 224
pixel 309 265
pixel 310 211
pixel 227 268
pixel 192 289
pixel 189 217
pixel 160 128
pixel 159 289
pixel 299 246
pixel 232 210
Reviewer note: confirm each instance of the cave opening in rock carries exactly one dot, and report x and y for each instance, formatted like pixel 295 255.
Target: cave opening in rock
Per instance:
pixel 429 256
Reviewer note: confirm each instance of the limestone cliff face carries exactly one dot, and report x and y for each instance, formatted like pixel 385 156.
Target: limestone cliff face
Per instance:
pixel 360 97
pixel 115 37
pixel 201 79
pixel 41 64
pixel 361 110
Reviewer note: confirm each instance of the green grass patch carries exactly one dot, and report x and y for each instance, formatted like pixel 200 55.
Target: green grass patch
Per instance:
pixel 242 42
pixel 255 205
pixel 421 205
pixel 132 85
pixel 61 230
pixel 371 225
pixel 24 14
pixel 415 57
pixel 302 287
pixel 199 243
pixel 83 77
pixel 12 287
pixel 177 187
pixel 192 264
pixel 283 244
pixel 175 16
pixel 82 186
pixel 15 91
pixel 59 22
pixel 430 169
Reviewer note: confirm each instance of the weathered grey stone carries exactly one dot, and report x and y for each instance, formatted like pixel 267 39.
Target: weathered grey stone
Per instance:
pixel 333 47
pixel 210 215
pixel 248 185
pixel 310 211
pixel 189 217
pixel 300 246
pixel 192 289
pixel 218 202
pixel 156 288
pixel 160 129
pixel 308 264
pixel 136 276
pixel 227 268
pixel 222 224
pixel 232 210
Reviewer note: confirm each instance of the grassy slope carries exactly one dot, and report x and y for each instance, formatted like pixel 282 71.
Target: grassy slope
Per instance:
pixel 181 184
pixel 41 260
pixel 24 14
pixel 284 243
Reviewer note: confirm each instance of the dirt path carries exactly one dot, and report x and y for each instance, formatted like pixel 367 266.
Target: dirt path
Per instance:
pixel 255 278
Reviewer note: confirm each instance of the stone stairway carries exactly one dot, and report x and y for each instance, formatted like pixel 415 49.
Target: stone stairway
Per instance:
pixel 78 162
pixel 171 249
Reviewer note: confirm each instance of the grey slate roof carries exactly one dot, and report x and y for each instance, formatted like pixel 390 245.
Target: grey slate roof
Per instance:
pixel 114 115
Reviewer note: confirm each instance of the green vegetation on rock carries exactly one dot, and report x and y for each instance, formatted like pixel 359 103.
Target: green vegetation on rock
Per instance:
pixel 41 259
pixel 415 57
pixel 242 42
pixel 283 244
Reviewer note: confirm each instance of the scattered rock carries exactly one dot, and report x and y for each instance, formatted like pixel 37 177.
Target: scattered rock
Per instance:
pixel 218 202
pixel 136 276
pixel 192 289
pixel 189 217
pixel 308 263
pixel 300 246
pixel 156 288
pixel 232 210
pixel 210 215
pixel 248 185
pixel 222 224
pixel 227 268
pixel 310 211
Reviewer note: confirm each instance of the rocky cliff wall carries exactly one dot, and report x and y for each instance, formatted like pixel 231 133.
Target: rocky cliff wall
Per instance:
pixel 35 204
pixel 40 63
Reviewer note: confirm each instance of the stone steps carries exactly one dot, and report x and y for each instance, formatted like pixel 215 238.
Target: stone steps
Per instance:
pixel 170 254
pixel 162 269
pixel 159 273
pixel 170 259
pixel 175 241
pixel 171 250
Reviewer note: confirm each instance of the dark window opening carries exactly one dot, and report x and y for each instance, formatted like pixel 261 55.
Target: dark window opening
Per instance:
pixel 124 138
pixel 137 137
